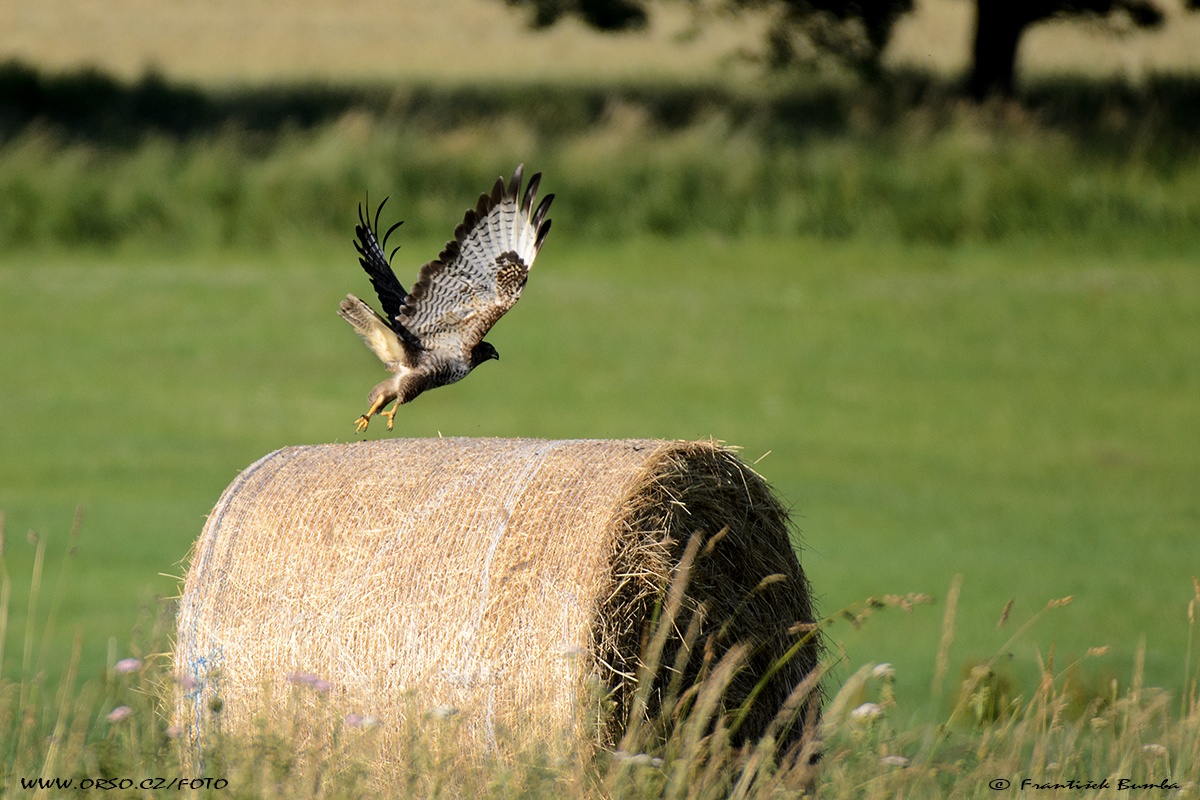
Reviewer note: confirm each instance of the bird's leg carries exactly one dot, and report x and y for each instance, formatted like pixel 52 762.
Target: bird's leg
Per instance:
pixel 362 422
pixel 391 415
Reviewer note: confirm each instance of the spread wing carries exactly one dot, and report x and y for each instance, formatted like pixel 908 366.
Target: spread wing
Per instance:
pixel 379 269
pixel 377 266
pixel 481 272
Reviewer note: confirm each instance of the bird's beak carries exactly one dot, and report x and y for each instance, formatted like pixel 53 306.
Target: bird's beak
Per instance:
pixel 496 356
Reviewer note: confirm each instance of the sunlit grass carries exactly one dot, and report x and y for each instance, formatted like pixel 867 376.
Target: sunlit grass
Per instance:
pixel 114 735
pixel 1023 413
pixel 969 343
pixel 933 177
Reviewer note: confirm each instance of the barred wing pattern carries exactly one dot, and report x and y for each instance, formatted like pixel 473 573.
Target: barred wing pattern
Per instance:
pixel 480 273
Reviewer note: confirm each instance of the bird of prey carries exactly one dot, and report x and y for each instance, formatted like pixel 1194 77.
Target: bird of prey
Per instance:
pixel 433 335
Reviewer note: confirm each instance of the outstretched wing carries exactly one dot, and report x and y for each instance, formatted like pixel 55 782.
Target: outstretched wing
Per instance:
pixel 481 272
pixel 379 269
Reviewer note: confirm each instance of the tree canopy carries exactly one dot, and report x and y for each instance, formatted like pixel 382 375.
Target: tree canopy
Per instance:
pixel 856 32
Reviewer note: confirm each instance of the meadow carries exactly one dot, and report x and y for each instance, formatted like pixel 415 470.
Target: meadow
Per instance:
pixel 927 412
pixel 964 347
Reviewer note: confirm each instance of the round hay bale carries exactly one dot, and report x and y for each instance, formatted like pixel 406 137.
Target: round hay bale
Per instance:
pixel 507 579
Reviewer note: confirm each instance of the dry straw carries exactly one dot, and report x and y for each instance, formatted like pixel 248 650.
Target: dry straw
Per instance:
pixel 515 583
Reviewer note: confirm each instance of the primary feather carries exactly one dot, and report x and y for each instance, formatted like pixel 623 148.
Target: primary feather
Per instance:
pixel 377 266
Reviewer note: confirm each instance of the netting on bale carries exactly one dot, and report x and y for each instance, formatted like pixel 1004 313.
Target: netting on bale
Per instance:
pixel 512 580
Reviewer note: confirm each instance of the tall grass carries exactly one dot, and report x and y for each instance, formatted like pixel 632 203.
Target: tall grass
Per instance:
pixel 936 173
pixel 112 736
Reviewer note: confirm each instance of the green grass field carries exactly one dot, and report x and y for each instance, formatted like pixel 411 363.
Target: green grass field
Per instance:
pixel 1023 414
pixel 963 345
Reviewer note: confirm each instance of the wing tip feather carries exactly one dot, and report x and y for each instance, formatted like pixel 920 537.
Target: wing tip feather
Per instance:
pixel 530 193
pixel 541 235
pixel 514 185
pixel 540 213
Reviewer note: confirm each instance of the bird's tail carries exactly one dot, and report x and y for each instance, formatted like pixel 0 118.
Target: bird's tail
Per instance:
pixel 358 314
pixel 374 330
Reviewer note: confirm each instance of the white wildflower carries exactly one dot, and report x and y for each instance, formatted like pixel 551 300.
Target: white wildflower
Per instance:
pixel 442 712
pixel 364 721
pixel 867 711
pixel 638 759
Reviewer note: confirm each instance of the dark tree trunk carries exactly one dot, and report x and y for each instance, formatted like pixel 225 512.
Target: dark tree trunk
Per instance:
pixel 998 28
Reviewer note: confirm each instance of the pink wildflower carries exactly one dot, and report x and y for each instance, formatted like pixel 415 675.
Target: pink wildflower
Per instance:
pixel 119 713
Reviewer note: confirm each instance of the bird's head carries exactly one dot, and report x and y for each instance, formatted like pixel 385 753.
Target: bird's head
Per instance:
pixel 483 352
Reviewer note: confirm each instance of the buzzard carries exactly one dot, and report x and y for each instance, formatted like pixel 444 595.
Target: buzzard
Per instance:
pixel 433 335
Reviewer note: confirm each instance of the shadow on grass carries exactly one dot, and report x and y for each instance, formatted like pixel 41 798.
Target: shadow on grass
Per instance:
pixel 91 106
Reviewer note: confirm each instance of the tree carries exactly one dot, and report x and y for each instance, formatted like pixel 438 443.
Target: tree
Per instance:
pixel 800 31
pixel 1000 24
pixel 856 32
pixel 604 15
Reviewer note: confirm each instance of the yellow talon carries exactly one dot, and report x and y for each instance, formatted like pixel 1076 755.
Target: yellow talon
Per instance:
pixel 362 422
pixel 391 415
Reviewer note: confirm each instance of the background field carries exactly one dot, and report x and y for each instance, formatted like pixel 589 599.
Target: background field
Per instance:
pixel 466 40
pixel 1024 415
pixel 969 341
